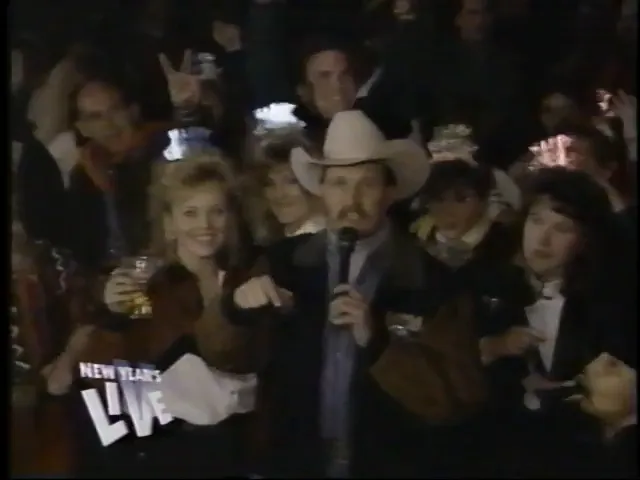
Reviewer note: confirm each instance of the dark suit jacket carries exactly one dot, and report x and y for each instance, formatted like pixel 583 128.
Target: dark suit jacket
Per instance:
pixel 551 439
pixel 590 324
pixel 387 440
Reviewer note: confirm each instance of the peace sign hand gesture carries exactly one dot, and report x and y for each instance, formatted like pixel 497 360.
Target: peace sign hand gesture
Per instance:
pixel 184 87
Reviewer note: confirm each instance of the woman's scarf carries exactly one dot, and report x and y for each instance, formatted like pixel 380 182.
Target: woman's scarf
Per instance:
pixel 453 252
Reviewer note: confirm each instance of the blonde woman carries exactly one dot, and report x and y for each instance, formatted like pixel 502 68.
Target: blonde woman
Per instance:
pixel 280 207
pixel 205 362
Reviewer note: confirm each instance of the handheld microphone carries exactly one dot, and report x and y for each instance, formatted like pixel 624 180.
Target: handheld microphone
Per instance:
pixel 347 238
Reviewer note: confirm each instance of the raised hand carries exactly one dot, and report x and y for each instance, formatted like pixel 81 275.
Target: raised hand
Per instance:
pixel 552 151
pixel 184 87
pixel 227 35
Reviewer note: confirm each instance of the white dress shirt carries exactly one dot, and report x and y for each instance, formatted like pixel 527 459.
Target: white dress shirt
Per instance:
pixel 544 316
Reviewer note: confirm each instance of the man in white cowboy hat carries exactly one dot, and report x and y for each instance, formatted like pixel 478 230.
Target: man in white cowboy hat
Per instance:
pixel 341 396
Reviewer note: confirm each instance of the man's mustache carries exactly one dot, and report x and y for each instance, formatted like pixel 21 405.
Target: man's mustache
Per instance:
pixel 344 214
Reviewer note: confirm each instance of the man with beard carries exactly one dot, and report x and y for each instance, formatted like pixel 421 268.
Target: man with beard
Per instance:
pixel 342 396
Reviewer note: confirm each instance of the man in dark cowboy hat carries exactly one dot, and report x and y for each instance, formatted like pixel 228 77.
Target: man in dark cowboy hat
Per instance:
pixel 343 395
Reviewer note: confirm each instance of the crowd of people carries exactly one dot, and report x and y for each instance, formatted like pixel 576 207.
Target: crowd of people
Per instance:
pixel 374 239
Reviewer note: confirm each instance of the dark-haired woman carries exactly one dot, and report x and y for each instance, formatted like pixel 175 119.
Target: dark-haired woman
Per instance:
pixel 605 159
pixel 463 233
pixel 552 314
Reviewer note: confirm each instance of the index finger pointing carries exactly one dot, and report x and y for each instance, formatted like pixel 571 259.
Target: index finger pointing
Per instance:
pixel 284 294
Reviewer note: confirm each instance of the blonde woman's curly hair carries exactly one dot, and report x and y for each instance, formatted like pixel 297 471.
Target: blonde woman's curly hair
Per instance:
pixel 193 172
pixel 269 151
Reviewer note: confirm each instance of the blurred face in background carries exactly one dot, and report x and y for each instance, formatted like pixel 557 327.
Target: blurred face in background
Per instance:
pixel 576 152
pixel 288 202
pixel 104 117
pixel 579 155
pixel 556 109
pixel 456 212
pixel 473 20
pixel 332 86
pixel 550 240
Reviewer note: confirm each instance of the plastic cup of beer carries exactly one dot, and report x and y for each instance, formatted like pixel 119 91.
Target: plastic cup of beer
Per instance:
pixel 140 269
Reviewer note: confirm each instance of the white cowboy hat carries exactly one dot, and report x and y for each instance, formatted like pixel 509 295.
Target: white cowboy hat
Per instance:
pixel 352 139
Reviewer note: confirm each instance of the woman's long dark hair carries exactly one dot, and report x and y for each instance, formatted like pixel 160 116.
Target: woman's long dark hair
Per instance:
pixel 577 196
